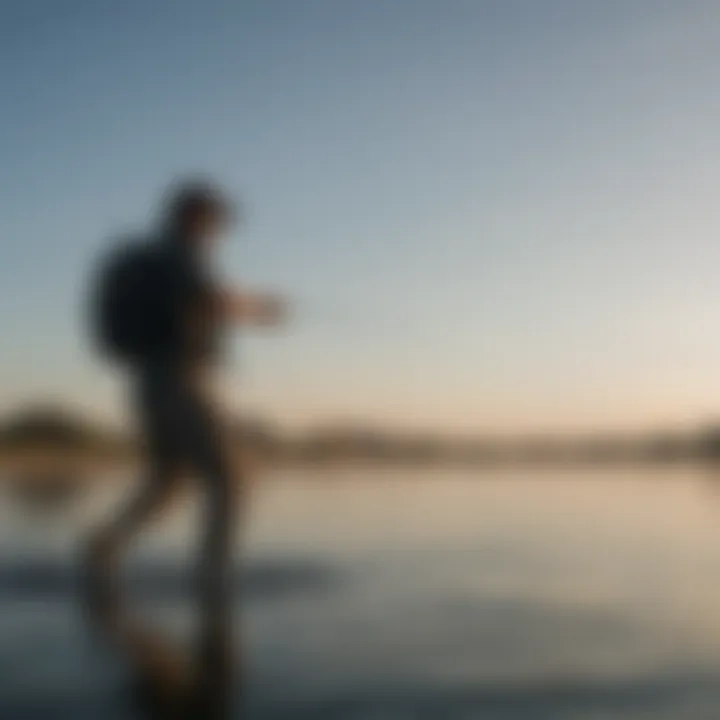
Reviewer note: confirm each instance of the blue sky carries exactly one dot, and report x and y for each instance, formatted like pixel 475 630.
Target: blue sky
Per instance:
pixel 492 215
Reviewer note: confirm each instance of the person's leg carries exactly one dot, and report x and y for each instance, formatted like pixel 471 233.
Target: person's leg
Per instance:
pixel 107 544
pixel 221 485
pixel 157 405
pixel 216 550
pixel 215 654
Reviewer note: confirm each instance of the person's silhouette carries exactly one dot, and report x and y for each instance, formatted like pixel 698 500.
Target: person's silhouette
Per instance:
pixel 159 311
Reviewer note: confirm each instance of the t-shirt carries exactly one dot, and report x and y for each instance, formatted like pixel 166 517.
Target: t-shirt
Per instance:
pixel 186 289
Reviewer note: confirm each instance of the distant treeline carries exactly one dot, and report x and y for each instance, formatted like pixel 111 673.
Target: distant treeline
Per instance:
pixel 52 429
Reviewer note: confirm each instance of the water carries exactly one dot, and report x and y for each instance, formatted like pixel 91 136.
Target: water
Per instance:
pixel 372 596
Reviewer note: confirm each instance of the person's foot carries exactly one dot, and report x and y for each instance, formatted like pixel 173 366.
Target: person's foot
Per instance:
pixel 162 676
pixel 217 675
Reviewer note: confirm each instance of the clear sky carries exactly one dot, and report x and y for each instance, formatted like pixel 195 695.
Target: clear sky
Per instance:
pixel 493 215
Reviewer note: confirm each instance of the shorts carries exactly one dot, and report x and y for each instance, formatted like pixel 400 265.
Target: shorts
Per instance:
pixel 179 424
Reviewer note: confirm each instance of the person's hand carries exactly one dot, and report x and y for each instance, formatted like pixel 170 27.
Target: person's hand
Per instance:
pixel 271 310
pixel 259 309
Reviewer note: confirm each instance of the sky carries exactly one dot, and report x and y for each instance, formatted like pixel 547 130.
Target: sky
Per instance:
pixel 490 215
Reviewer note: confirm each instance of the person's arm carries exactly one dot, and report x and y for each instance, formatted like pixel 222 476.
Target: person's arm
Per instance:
pixel 251 308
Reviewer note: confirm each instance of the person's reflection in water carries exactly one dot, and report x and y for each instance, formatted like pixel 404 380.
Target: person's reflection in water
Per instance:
pixel 159 313
pixel 168 683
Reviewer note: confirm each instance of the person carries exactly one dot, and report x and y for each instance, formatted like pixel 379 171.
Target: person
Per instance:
pixel 180 424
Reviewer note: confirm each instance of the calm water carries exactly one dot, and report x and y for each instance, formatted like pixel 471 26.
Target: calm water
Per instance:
pixel 379 596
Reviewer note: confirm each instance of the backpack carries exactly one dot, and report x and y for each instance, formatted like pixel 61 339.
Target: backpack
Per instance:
pixel 129 314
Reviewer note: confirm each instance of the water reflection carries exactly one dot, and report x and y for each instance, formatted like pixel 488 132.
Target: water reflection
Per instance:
pixel 510 597
pixel 661 697
pixel 266 580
